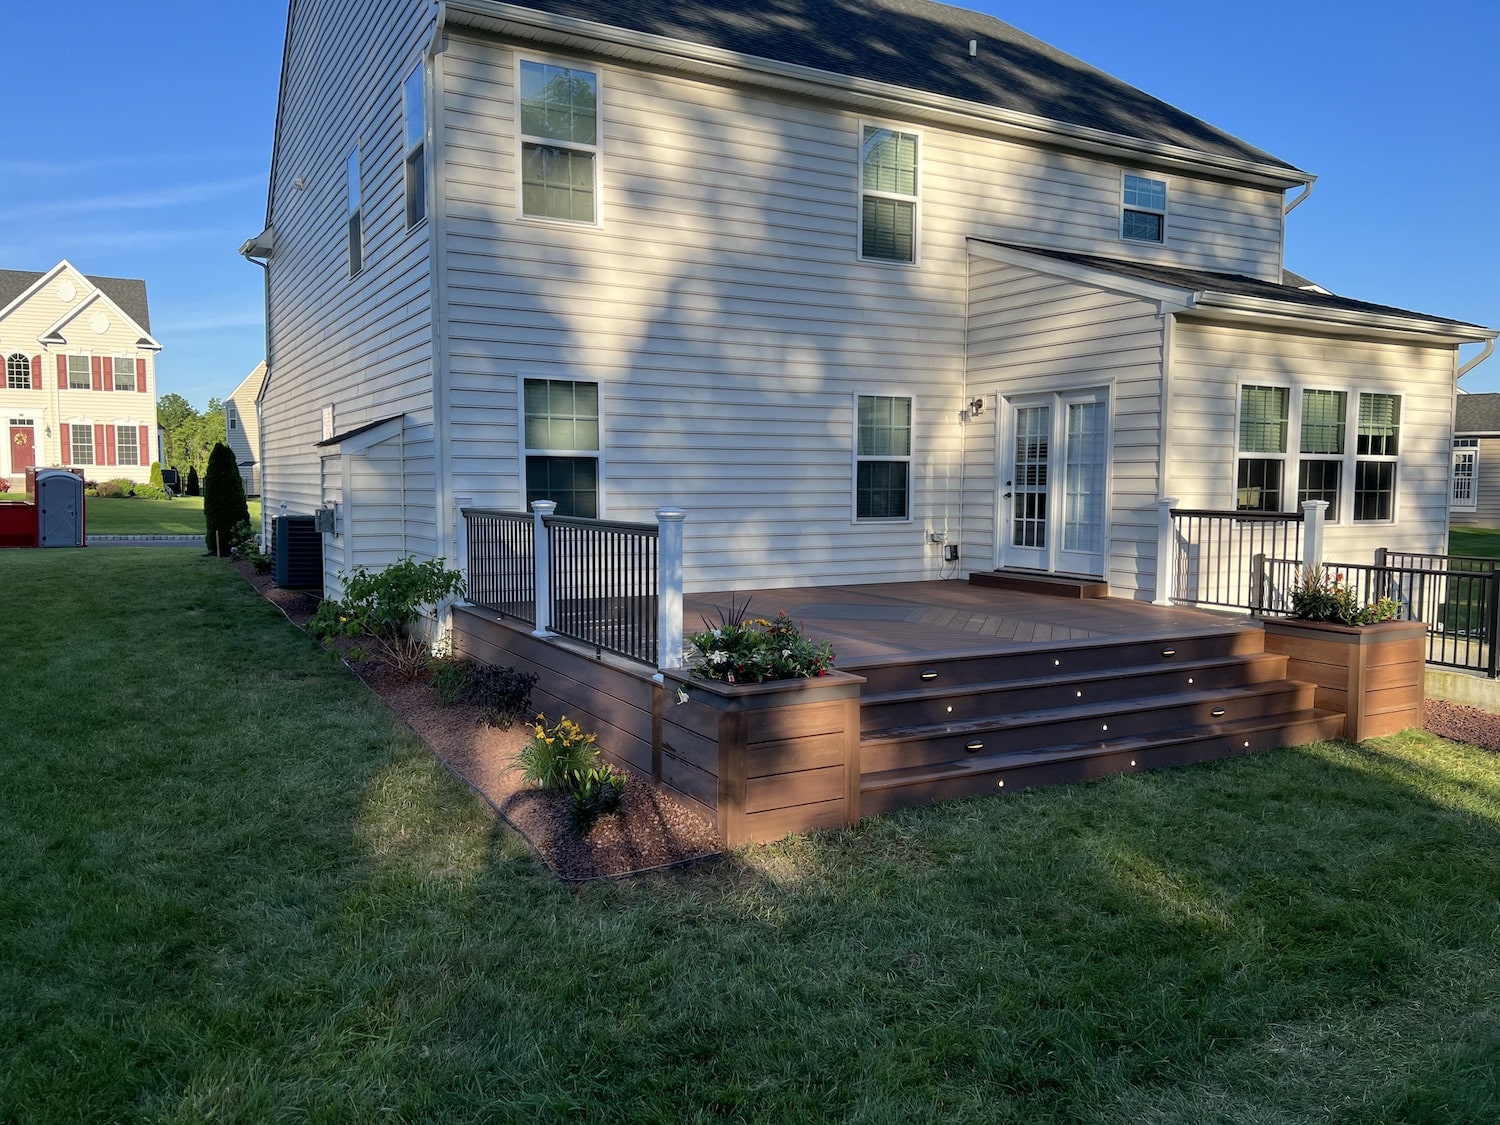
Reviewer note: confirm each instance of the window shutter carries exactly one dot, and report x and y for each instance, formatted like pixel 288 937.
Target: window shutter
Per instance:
pixel 140 385
pixel 62 375
pixel 145 446
pixel 65 432
pixel 98 369
pixel 109 445
pixel 99 443
pixel 36 372
pixel 108 380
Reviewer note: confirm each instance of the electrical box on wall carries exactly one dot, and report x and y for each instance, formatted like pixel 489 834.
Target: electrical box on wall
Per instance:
pixel 950 552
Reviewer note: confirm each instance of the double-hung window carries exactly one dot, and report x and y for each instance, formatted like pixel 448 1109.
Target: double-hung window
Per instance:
pixel 127 445
pixel 882 458
pixel 124 373
pixel 1321 467
pixel 559 142
pixel 356 224
pixel 1262 460
pixel 1465 474
pixel 1376 447
pixel 17 373
pixel 888 194
pixel 1144 215
pixel 78 373
pixel 82 445
pixel 416 148
pixel 562 445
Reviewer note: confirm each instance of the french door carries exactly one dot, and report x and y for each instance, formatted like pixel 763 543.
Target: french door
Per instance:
pixel 1054 475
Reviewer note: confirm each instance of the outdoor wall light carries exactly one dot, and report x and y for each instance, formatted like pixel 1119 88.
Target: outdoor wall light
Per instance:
pixel 976 408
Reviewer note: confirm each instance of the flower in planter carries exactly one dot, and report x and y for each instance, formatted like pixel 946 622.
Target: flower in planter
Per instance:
pixel 1323 596
pixel 745 650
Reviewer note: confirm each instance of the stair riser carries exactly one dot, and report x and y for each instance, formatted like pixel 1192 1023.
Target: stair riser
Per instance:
pixel 974 702
pixel 920 750
pixel 1022 776
pixel 1074 663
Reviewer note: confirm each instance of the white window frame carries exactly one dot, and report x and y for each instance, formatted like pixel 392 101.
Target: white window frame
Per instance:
pixel 1393 459
pixel 909 459
pixel 133 429
pixel 595 150
pixel 1469 449
pixel 11 372
pixel 354 218
pixel 88 371
pixel 414 164
pixel 73 458
pixel 1128 207
pixel 863 194
pixel 114 373
pixel 528 450
pixel 1286 458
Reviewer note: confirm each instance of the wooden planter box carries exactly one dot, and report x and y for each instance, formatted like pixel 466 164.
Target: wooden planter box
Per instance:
pixel 1374 674
pixel 763 759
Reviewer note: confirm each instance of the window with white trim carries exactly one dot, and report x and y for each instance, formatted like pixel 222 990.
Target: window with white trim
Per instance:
pixel 1376 448
pixel 1262 448
pixel 17 373
pixel 882 458
pixel 888 197
pixel 1321 467
pixel 1143 217
pixel 416 148
pixel 81 450
pixel 355 223
pixel 78 373
pixel 1465 474
pixel 127 445
pixel 124 372
pixel 562 445
pixel 559 142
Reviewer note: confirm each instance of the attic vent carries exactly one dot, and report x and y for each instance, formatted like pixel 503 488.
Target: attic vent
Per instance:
pixel 973 48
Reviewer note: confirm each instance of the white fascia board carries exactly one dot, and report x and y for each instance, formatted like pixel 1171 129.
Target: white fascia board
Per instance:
pixel 569 34
pixel 98 296
pixel 1172 298
pixel 1344 322
pixel 40 283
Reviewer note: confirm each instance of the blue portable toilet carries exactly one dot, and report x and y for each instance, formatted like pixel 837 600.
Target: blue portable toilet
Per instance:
pixel 59 508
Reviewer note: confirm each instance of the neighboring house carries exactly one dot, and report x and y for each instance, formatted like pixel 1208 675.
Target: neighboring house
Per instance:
pixel 80 374
pixel 1476 461
pixel 242 427
pixel 852 283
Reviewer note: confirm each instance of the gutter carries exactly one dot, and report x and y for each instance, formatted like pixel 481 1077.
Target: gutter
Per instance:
pixel 1413 327
pixel 621 44
pixel 1485 353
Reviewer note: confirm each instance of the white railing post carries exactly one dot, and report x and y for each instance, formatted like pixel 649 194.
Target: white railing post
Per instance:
pixel 1313 515
pixel 669 588
pixel 1165 552
pixel 541 552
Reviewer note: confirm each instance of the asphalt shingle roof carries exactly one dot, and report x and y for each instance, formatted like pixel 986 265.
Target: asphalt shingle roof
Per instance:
pixel 127 292
pixel 924 46
pixel 1478 414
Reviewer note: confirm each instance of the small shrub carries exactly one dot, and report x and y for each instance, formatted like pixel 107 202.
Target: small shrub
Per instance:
pixel 156 481
pixel 596 792
pixel 110 490
pixel 501 694
pixel 384 605
pixel 1322 596
pixel 556 752
pixel 224 505
pixel 192 488
pixel 451 676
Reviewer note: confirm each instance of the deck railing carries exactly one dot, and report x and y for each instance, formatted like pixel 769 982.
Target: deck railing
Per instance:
pixel 1214 557
pixel 614 586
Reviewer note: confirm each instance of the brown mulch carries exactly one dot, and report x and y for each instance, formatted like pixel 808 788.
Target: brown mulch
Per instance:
pixel 1461 723
pixel 650 831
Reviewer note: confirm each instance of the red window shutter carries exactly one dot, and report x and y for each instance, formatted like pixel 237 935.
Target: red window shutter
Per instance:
pixel 62 375
pixel 109 376
pixel 145 446
pixel 98 368
pixel 109 445
pixel 140 385
pixel 36 372
pixel 99 443
pixel 65 432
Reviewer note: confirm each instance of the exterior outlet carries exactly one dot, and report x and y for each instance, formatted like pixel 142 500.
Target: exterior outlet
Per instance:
pixel 937 537
pixel 950 553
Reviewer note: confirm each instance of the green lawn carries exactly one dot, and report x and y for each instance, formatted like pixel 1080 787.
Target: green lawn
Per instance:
pixel 1483 542
pixel 136 516
pixel 235 888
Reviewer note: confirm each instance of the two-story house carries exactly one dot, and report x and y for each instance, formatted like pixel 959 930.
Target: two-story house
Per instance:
pixel 242 427
pixel 80 382
pixel 861 285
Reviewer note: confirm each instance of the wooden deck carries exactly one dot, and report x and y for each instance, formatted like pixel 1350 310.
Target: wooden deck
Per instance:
pixel 944 690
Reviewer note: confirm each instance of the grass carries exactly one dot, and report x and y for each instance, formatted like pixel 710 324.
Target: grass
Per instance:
pixel 1482 542
pixel 237 889
pixel 137 516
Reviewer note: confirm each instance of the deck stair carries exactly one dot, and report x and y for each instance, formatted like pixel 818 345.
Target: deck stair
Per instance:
pixel 937 729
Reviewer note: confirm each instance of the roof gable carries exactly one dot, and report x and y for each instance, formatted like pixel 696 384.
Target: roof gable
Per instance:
pixel 127 294
pixel 53 334
pixel 923 46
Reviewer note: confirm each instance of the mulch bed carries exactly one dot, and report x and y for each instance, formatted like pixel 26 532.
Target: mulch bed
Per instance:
pixel 1461 724
pixel 649 832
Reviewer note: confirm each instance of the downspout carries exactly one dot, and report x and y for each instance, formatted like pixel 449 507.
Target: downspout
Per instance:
pixel 1484 354
pixel 260 460
pixel 437 286
pixel 1290 205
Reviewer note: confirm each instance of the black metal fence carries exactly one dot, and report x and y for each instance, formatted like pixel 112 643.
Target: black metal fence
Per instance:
pixel 601 577
pixel 1215 556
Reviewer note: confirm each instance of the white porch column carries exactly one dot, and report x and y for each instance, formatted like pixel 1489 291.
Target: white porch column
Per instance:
pixel 542 560
pixel 669 588
pixel 1314 513
pixel 1165 552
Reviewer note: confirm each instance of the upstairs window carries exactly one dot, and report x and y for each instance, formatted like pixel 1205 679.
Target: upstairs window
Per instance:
pixel 356 219
pixel 888 195
pixel 559 142
pixel 1144 218
pixel 78 373
pixel 17 373
pixel 125 373
pixel 1262 461
pixel 416 149
pixel 882 458
pixel 562 445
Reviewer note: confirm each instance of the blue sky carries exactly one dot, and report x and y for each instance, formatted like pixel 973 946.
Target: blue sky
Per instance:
pixel 143 150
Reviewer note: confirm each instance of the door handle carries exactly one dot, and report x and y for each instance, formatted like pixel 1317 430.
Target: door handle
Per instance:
pixel 1005 496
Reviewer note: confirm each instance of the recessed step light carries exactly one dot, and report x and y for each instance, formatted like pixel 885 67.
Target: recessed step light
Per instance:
pixel 1217 712
pixel 974 747
pixel 929 675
